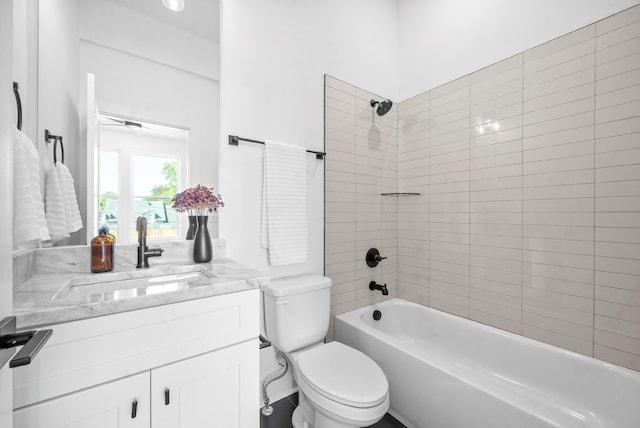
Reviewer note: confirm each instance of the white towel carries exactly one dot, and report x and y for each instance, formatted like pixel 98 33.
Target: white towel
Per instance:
pixel 72 212
pixel 54 205
pixel 29 223
pixel 284 229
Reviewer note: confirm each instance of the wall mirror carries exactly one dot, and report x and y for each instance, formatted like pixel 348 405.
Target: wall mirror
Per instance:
pixel 134 90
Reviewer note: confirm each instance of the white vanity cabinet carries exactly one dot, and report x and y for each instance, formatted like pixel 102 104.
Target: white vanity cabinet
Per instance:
pixel 189 364
pixel 210 390
pixel 119 404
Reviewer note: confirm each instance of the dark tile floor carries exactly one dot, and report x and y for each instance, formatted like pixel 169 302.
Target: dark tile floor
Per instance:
pixel 283 409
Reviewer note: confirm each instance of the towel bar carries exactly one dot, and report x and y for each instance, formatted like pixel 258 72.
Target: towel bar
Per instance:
pixel 234 139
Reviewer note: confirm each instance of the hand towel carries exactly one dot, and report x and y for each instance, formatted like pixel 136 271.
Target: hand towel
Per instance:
pixel 284 229
pixel 30 224
pixel 54 205
pixel 72 212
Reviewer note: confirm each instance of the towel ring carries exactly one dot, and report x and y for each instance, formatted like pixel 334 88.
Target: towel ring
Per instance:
pixel 55 150
pixel 18 104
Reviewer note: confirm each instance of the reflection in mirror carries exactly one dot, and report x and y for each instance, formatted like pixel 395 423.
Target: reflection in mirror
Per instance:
pixel 148 65
pixel 141 166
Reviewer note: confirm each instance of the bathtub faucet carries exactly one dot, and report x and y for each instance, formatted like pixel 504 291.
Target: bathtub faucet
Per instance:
pixel 382 287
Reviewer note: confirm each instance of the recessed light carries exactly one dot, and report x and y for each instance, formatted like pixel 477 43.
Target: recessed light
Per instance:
pixel 174 5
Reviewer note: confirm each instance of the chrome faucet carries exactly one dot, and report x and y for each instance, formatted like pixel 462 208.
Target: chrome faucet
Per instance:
pixel 145 252
pixel 382 287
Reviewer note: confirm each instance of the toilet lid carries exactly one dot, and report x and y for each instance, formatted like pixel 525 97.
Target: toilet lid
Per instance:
pixel 343 374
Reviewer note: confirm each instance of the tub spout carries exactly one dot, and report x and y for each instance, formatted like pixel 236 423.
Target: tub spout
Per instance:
pixel 382 287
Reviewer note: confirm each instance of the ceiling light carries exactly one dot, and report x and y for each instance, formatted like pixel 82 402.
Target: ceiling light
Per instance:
pixel 174 5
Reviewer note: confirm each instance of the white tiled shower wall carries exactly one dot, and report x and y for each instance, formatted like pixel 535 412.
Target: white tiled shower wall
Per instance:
pixel 528 217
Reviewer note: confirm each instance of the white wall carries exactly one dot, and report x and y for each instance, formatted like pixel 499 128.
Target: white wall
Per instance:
pixel 273 59
pixel 443 40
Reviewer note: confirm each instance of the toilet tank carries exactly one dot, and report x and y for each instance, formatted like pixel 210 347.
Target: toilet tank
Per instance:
pixel 296 310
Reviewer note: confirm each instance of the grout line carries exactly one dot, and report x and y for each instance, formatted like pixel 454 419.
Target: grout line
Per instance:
pixel 593 275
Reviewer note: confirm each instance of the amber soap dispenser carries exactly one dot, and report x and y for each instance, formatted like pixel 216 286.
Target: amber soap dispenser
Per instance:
pixel 102 251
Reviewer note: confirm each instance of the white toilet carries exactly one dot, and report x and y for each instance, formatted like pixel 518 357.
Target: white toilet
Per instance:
pixel 339 387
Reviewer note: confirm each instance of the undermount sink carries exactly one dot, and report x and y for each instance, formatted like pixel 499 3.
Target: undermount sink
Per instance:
pixel 125 285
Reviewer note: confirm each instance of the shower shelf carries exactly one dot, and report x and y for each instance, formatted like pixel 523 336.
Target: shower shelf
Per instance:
pixel 400 194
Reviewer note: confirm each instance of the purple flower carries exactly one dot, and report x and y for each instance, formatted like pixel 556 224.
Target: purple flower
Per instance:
pixel 199 200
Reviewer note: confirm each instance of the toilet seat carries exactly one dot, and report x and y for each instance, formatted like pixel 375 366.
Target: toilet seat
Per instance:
pixel 344 375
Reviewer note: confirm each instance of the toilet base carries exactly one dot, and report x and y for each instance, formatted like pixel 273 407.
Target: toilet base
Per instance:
pixel 306 417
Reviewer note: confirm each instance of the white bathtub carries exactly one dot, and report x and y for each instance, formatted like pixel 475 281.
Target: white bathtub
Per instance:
pixel 448 372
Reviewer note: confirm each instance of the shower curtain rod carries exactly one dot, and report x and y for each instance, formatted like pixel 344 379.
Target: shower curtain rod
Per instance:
pixel 234 139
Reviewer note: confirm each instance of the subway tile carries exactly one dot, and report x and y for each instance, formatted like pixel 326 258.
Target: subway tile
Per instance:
pixel 618 66
pixel 513 326
pixel 512 280
pixel 570 232
pixel 612 325
pixel 617 341
pixel 566 109
pixel 622 80
pixel 558 205
pixel 559 124
pixel 554 81
pixel 569 150
pixel 618 295
pixel 495 72
pixel 618 113
pixel 566 136
pixel 452 304
pixel 560 70
pixel 496 240
pixel 575 219
pixel 615 356
pixel 559 326
pixel 559 191
pixel 618 173
pixel 618 158
pixel 617 188
pixel 617 280
pixel 333 82
pixel 558 272
pixel 618 219
pixel 626 44
pixel 558 339
pixel 617 265
pixel 579 261
pixel 564 286
pixel 618 204
pixel 559 97
pixel 617 311
pixel 560 44
pixel 621 19
pixel 618 97
pixel 495 264
pixel 558 245
pixel 556 313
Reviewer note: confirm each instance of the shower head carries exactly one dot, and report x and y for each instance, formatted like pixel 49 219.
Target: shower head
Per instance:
pixel 383 106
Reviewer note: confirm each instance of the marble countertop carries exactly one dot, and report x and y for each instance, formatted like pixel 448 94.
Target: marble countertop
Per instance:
pixel 52 298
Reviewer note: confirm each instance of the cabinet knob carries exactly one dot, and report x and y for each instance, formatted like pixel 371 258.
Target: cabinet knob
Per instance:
pixel 166 397
pixel 134 409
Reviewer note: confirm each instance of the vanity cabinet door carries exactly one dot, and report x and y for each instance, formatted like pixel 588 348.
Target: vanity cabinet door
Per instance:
pixel 217 389
pixel 121 403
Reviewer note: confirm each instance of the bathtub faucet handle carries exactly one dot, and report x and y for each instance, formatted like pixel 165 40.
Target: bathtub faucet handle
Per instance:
pixel 382 287
pixel 373 257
